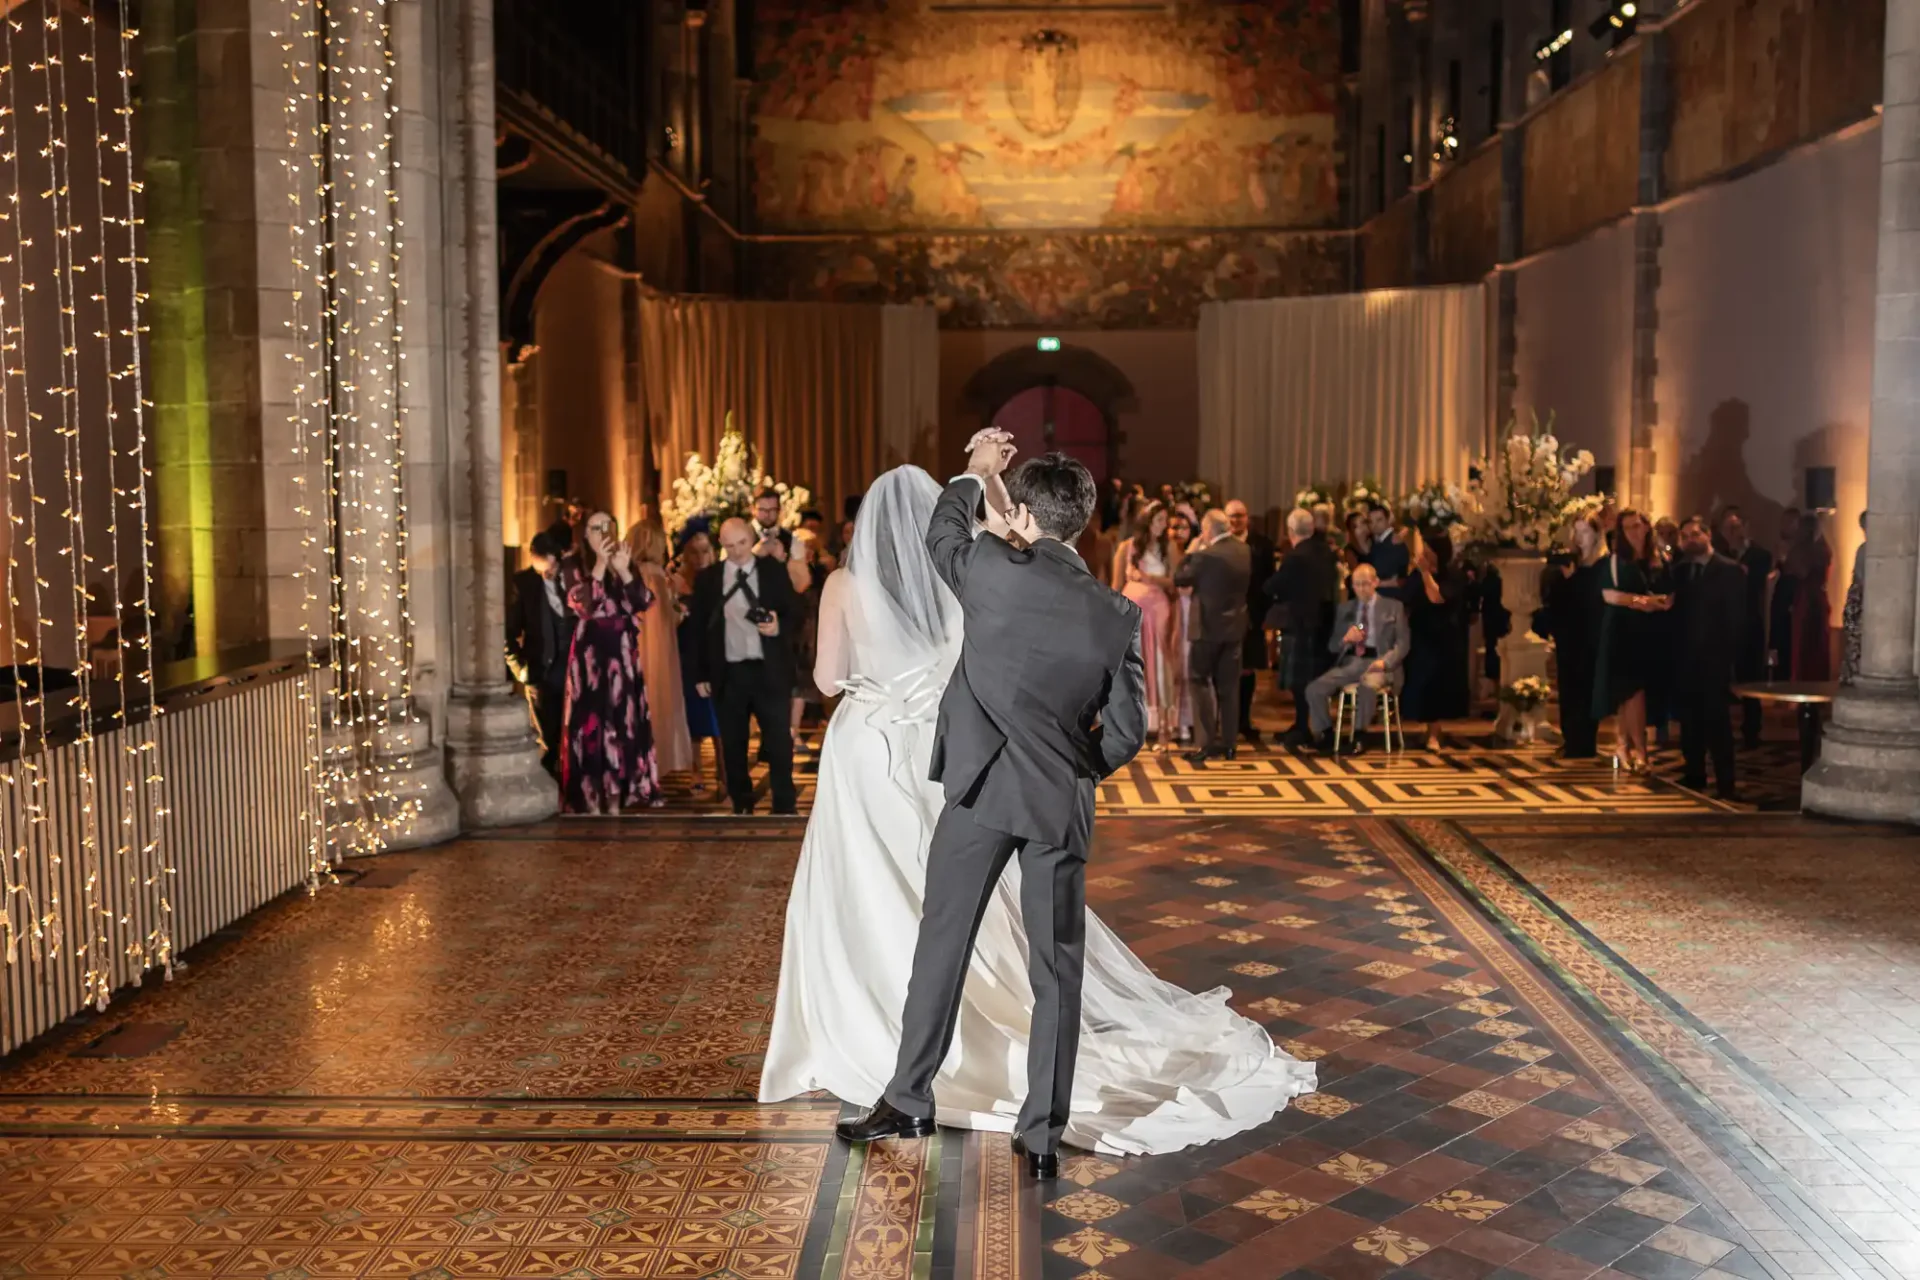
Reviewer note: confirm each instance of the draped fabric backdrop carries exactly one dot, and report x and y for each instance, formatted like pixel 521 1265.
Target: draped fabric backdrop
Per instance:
pixel 1391 384
pixel 830 394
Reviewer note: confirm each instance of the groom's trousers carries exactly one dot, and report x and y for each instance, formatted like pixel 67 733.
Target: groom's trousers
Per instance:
pixel 964 865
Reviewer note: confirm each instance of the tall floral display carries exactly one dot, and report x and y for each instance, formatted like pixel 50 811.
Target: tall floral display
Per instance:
pixel 727 486
pixel 1522 497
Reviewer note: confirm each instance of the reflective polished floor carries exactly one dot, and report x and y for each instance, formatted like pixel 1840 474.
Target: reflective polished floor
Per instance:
pixel 1606 1040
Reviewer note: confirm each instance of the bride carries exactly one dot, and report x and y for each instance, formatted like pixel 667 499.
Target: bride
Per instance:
pixel 1159 1069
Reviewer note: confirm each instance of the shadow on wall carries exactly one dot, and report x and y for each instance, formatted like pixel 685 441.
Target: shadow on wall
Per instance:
pixel 1715 477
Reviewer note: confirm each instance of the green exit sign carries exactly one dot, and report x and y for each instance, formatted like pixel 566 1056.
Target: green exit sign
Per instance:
pixel 1048 344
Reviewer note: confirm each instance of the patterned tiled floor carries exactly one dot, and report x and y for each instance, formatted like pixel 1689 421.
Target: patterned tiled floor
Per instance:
pixel 1785 987
pixel 534 1054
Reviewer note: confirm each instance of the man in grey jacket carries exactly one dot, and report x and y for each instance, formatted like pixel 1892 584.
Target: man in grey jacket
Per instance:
pixel 1219 568
pixel 1370 643
pixel 1048 698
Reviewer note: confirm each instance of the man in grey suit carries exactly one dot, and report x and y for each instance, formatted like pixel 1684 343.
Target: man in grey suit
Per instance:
pixel 1370 643
pixel 1048 698
pixel 1219 568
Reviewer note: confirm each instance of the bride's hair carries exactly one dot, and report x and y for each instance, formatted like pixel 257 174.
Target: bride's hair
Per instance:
pixel 1058 492
pixel 888 557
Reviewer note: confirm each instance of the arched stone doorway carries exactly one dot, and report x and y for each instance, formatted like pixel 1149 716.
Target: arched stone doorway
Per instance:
pixel 1070 400
pixel 1052 417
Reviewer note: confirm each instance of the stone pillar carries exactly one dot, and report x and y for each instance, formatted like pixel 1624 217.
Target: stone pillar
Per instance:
pixel 1870 765
pixel 492 754
pixel 1506 282
pixel 1648 236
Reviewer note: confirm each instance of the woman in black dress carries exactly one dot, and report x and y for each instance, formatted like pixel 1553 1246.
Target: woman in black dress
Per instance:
pixel 1437 621
pixel 1634 588
pixel 1574 607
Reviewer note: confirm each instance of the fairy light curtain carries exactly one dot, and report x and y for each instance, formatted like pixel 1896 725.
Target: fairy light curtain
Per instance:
pixel 87 874
pixel 344 246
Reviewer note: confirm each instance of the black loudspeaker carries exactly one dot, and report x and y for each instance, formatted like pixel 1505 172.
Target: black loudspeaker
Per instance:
pixel 1820 485
pixel 557 483
pixel 1603 480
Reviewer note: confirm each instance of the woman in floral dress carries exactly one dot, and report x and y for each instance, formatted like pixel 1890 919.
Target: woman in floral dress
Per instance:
pixel 608 762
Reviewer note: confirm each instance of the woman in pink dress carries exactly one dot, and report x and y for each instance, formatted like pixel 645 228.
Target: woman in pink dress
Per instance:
pixel 1179 535
pixel 1144 574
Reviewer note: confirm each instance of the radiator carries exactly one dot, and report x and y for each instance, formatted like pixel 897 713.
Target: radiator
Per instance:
pixel 231 813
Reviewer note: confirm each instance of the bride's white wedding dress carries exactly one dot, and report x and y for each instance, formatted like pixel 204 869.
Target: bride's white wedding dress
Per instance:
pixel 1159 1068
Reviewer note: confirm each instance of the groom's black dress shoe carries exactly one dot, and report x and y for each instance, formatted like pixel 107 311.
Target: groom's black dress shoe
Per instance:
pixel 1040 1164
pixel 884 1121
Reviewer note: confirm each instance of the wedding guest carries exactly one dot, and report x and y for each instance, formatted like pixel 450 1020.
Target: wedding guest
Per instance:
pixel 608 763
pixel 703 724
pixel 1353 552
pixel 1809 561
pixel 1782 605
pixel 1217 571
pixel 1370 643
pixel 1707 596
pixel 1661 704
pixel 1437 624
pixel 1635 588
pixel 1302 589
pixel 1323 520
pixel 808 576
pixel 744 614
pixel 1253 649
pixel 1750 664
pixel 1386 552
pixel 767 530
pixel 1854 611
pixel 1180 534
pixel 1574 607
pixel 1145 576
pixel 660 649
pixel 539 638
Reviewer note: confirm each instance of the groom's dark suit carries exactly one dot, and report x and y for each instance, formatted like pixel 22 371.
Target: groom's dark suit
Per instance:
pixel 1046 700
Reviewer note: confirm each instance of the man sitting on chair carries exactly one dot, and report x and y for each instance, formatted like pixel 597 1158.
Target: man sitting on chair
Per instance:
pixel 1369 644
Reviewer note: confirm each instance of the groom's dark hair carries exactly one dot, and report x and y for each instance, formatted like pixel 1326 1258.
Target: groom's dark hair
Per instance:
pixel 1058 492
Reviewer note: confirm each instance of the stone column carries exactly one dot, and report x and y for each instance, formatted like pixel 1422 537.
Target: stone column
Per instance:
pixel 491 751
pixel 1506 282
pixel 1870 765
pixel 1648 235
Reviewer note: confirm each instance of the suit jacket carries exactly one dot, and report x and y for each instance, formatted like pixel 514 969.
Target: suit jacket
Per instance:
pixel 1263 555
pixel 538 639
pixel 1303 588
pixel 1708 622
pixel 1049 695
pixel 774 589
pixel 1219 577
pixel 1388 637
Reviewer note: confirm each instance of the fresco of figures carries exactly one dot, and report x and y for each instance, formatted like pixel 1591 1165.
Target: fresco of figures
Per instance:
pixel 897 115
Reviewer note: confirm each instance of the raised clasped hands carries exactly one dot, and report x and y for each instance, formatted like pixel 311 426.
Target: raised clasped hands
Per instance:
pixel 989 452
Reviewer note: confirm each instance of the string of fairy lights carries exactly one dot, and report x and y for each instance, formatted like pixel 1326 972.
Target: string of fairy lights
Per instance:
pixel 72 380
pixel 347 416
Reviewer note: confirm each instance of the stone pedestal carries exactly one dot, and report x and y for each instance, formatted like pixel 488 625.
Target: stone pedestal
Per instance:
pixel 405 757
pixel 1870 764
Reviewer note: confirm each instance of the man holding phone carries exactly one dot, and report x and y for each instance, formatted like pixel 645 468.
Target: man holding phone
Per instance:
pixel 769 539
pixel 1370 644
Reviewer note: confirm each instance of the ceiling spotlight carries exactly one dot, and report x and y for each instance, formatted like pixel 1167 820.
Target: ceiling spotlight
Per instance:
pixel 1617 22
pixel 1629 9
pixel 1547 48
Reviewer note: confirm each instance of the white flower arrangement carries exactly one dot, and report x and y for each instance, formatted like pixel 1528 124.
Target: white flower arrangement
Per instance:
pixel 1313 495
pixel 1523 495
pixel 1528 694
pixel 1362 494
pixel 1435 507
pixel 727 486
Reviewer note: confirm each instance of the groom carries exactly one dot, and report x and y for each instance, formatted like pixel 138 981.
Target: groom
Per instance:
pixel 1046 700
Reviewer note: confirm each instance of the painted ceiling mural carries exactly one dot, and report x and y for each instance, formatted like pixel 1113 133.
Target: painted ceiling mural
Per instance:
pixel 909 116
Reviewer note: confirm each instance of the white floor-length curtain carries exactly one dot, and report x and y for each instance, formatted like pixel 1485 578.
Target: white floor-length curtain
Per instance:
pixel 1390 384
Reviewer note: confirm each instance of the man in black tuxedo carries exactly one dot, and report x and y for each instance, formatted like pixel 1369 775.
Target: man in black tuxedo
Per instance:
pixel 539 638
pixel 1302 590
pixel 1217 568
pixel 1751 662
pixel 744 613
pixel 1262 556
pixel 1709 606
pixel 1047 699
